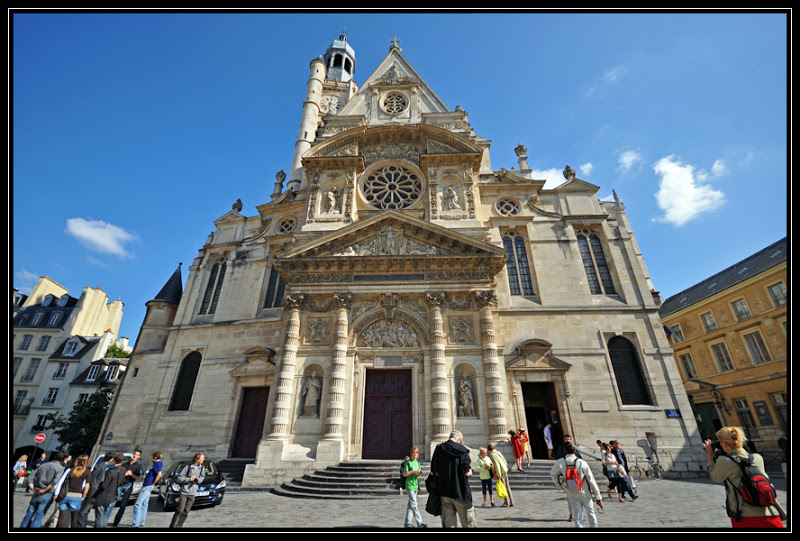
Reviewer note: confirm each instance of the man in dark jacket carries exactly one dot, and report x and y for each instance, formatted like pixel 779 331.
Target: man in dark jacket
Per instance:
pixel 114 477
pixel 451 466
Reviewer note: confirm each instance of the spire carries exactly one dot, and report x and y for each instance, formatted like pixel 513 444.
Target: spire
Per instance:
pixel 173 289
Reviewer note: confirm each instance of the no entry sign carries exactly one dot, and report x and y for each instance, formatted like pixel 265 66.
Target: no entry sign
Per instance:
pixel 39 438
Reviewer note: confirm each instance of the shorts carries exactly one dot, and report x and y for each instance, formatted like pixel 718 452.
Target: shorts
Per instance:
pixel 71 503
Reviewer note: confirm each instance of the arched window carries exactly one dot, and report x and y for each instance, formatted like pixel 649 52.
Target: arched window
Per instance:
pixel 211 296
pixel 275 289
pixel 628 372
pixel 184 386
pixel 519 273
pixel 595 265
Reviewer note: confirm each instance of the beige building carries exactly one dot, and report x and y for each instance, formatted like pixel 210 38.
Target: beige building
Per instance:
pixel 729 334
pixel 399 286
pixel 56 337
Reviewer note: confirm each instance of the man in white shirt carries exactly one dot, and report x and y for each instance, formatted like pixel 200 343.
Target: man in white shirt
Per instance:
pixel 573 475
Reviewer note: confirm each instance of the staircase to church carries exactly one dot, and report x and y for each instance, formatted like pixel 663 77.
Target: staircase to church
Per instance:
pixel 364 479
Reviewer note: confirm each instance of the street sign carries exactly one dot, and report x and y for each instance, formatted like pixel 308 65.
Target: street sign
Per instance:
pixel 39 438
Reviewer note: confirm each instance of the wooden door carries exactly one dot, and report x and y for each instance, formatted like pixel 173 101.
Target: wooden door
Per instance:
pixel 251 422
pixel 387 415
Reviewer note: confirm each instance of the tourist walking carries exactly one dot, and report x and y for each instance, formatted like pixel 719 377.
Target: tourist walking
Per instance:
pixel 574 476
pixel 188 479
pixel 501 474
pixel 411 473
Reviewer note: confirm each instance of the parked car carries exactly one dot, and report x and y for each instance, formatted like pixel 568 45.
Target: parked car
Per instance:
pixel 137 485
pixel 209 492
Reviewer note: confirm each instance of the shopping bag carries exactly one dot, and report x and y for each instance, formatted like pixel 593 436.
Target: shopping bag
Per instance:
pixel 501 490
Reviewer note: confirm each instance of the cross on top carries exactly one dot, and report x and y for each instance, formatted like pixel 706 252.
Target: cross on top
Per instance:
pixel 395 43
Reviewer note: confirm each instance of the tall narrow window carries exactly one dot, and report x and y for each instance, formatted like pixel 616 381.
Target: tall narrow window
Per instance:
pixel 595 264
pixel 214 286
pixel 275 289
pixel 628 372
pixel 519 273
pixel 184 386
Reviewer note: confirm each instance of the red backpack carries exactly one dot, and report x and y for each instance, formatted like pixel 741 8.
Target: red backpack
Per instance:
pixel 756 489
pixel 572 477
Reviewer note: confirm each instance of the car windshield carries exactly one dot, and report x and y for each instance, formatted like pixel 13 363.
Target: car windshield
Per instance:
pixel 209 468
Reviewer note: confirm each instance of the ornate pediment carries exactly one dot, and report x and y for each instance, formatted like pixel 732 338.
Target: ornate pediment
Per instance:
pixel 259 361
pixel 536 355
pixel 392 242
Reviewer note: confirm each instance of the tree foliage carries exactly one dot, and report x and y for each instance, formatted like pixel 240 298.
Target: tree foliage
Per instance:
pixel 116 352
pixel 78 431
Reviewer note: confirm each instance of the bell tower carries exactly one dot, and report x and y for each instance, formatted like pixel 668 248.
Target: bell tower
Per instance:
pixel 340 60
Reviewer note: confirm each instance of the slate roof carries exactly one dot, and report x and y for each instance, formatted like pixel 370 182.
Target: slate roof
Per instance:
pixel 772 255
pixel 173 289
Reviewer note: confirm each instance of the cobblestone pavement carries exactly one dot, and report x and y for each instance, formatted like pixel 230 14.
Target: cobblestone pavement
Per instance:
pixel 667 504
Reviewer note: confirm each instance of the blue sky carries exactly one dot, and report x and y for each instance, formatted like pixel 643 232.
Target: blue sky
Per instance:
pixel 133 132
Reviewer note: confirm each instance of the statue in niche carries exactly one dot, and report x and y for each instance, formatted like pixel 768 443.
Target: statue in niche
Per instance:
pixel 450 199
pixel 311 393
pixel 332 204
pixel 466 405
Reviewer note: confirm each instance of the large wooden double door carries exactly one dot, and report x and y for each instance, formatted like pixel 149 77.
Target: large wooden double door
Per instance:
pixel 388 430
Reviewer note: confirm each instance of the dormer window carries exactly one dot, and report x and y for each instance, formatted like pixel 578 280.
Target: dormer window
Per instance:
pixel 47 300
pixel 70 349
pixel 63 301
pixel 111 373
pixel 37 318
pixel 94 371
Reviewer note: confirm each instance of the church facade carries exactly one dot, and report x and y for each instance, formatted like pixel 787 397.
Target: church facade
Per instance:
pixel 398 287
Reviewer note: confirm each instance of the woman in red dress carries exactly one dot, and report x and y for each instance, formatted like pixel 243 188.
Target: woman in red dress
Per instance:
pixel 516 445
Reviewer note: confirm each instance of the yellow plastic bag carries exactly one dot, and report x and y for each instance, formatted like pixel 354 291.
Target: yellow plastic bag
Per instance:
pixel 501 490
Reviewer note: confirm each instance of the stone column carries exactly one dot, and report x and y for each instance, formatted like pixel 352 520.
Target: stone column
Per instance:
pixel 440 392
pixel 486 300
pixel 284 399
pixel 336 392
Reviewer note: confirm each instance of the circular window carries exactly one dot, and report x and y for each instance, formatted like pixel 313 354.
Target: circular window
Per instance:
pixel 392 187
pixel 508 206
pixel 394 103
pixel 286 225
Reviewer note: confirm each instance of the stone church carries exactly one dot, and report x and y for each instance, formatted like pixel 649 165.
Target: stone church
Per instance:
pixel 396 287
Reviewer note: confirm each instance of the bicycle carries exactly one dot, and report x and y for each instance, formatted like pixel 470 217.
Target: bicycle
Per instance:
pixel 654 470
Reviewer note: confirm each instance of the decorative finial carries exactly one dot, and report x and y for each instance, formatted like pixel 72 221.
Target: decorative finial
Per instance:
pixel 395 44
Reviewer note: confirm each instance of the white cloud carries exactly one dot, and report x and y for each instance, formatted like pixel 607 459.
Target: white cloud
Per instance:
pixel 719 168
pixel 552 177
pixel 101 236
pixel 628 160
pixel 613 74
pixel 681 194
pixel 586 169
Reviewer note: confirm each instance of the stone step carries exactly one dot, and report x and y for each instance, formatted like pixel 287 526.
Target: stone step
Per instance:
pixel 381 479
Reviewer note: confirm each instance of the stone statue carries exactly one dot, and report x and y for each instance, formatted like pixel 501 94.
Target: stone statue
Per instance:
pixel 238 205
pixel 451 199
pixel 466 406
pixel 311 393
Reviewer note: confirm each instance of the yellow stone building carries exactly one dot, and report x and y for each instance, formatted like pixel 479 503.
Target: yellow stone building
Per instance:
pixel 729 334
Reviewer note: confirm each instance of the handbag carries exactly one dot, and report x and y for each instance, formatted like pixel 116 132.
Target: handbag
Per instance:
pixel 434 505
pixel 501 490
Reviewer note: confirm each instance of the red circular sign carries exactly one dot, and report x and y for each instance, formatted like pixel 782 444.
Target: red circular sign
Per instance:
pixel 39 438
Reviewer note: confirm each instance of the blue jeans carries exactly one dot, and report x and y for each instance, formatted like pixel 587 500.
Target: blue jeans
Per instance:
pixel 100 516
pixel 412 511
pixel 36 510
pixel 141 505
pixel 123 496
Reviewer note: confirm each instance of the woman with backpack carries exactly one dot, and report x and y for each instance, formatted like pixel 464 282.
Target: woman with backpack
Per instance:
pixel 739 470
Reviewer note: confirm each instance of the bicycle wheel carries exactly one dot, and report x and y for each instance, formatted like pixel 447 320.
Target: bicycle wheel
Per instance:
pixel 657 472
pixel 637 473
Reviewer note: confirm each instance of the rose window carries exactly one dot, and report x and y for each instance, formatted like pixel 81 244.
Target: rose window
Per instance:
pixel 508 207
pixel 394 103
pixel 286 225
pixel 392 187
